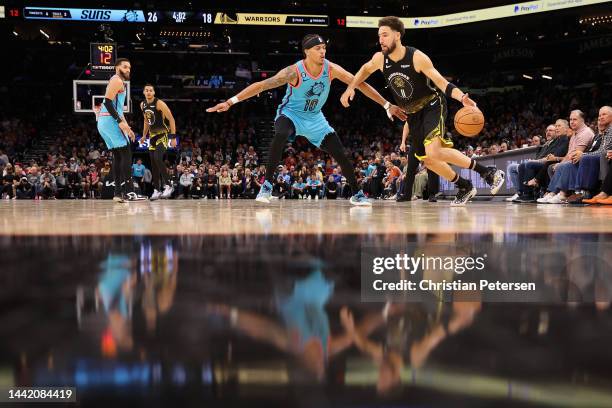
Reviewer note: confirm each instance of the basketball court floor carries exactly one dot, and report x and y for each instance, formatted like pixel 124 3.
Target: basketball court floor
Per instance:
pixel 219 217
pixel 196 303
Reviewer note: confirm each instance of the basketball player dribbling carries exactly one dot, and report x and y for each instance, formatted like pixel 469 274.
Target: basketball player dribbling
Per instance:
pixel 160 127
pixel 117 134
pixel 308 84
pixel 416 85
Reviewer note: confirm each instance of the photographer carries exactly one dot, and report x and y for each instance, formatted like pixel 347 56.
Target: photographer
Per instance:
pixel 237 185
pixel 24 190
pixel 251 186
pixel 47 186
pixel 331 188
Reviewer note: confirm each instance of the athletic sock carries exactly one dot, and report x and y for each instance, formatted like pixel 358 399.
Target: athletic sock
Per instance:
pixel 478 168
pixel 460 182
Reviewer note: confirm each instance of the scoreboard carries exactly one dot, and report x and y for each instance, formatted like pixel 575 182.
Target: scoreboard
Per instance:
pixel 180 17
pixel 103 56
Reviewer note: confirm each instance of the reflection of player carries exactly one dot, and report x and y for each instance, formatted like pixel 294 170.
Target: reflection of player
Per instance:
pixel 115 287
pixel 417 87
pixel 308 85
pixel 160 127
pixel 305 332
pixel 159 268
pixel 409 337
pixel 117 134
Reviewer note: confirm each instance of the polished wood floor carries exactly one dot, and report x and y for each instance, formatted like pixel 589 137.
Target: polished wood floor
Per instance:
pixel 97 217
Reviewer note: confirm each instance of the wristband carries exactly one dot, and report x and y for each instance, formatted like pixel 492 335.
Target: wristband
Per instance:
pixel 449 90
pixel 387 105
pixel 234 100
pixel 171 135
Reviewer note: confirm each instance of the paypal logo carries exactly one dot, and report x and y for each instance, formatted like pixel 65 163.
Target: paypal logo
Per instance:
pixel 526 9
pixel 430 22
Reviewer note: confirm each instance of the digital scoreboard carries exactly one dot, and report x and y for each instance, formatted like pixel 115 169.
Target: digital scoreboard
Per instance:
pixel 103 56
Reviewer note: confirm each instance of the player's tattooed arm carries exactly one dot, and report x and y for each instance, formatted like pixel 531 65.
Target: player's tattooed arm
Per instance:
pixel 285 76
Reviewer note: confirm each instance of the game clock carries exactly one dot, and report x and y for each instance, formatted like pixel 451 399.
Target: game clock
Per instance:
pixel 180 17
pixel 103 56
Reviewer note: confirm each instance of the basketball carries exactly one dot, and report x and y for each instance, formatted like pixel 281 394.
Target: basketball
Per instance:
pixel 469 121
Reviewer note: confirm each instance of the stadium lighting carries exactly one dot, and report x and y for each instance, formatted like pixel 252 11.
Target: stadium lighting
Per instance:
pixel 527 76
pixel 15 33
pixel 546 77
pixel 43 33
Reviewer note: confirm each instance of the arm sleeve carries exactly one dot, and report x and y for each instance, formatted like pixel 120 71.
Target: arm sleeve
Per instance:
pixel 111 109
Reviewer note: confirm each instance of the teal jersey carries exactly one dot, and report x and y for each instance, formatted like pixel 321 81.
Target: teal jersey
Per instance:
pixel 306 99
pixel 118 103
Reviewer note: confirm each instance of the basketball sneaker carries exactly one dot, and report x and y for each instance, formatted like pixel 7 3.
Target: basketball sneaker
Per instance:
pixel 168 190
pixel 132 196
pixel 265 192
pixel 495 179
pixel 156 195
pixel 360 199
pixel 463 196
pixel 118 199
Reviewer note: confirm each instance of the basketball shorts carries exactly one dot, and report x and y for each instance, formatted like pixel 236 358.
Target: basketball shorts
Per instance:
pixel 314 128
pixel 111 133
pixel 158 139
pixel 427 124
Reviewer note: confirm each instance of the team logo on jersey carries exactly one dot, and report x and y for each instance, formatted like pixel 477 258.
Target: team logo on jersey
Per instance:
pixel 149 116
pixel 316 89
pixel 401 85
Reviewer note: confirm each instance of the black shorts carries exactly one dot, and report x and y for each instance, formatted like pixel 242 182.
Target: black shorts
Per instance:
pixel 427 124
pixel 158 140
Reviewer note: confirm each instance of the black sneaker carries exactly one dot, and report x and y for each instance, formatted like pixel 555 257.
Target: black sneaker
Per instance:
pixel 495 179
pixel 525 198
pixel 432 199
pixel 402 198
pixel 463 196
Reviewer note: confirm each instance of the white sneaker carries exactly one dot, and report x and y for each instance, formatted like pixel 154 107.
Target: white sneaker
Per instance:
pixel 317 197
pixel 309 197
pixel 156 195
pixel 132 197
pixel 514 197
pixel 557 199
pixel 393 197
pixel 168 190
pixel 545 199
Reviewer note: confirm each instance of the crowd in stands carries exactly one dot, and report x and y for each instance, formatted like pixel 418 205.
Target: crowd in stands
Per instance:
pixel 219 155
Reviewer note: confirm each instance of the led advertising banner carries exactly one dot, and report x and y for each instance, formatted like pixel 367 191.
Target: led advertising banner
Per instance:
pixel 77 14
pixel 272 19
pixel 491 13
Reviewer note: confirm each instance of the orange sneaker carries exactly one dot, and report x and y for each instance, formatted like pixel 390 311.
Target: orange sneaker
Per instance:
pixel 591 200
pixel 605 201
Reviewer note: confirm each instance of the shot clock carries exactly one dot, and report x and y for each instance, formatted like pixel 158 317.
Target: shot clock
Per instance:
pixel 103 56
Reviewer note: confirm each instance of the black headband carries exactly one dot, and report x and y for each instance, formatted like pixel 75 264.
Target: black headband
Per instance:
pixel 312 42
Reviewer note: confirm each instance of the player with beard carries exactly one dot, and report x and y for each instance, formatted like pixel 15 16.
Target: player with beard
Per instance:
pixel 117 134
pixel 416 86
pixel 308 83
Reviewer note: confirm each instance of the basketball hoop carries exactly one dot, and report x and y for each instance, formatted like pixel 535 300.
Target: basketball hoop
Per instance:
pixel 96 110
